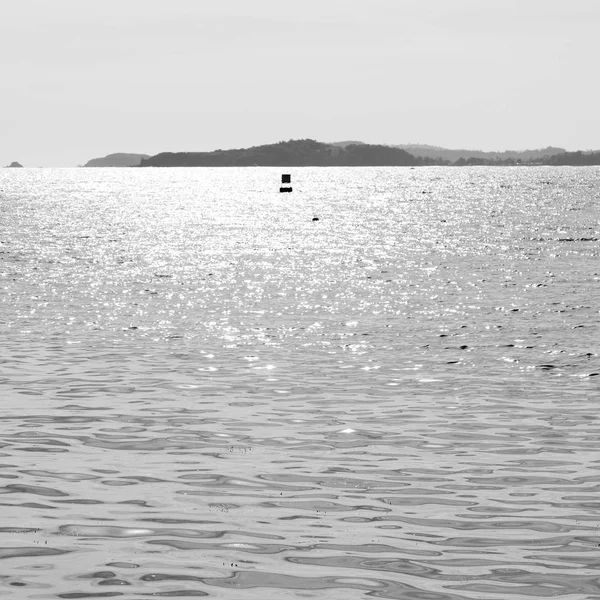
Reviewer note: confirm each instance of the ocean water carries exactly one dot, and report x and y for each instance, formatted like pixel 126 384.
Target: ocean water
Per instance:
pixel 205 392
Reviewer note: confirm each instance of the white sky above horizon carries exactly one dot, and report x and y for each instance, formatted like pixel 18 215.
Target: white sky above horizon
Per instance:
pixel 82 79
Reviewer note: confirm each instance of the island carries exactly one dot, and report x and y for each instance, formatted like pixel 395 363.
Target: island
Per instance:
pixel 294 153
pixel 14 165
pixel 459 157
pixel 310 153
pixel 119 159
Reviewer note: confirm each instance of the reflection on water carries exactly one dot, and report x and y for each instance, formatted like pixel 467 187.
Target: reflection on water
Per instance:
pixel 207 393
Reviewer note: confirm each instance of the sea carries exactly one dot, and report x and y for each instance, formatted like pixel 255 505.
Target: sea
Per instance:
pixel 384 384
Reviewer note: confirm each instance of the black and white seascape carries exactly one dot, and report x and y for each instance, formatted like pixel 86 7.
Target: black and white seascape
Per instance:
pixel 207 393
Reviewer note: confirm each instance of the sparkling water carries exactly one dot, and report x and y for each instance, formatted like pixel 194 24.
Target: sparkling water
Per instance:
pixel 207 392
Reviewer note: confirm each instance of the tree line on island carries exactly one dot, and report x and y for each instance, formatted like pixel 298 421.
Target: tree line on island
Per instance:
pixel 295 153
pixel 310 153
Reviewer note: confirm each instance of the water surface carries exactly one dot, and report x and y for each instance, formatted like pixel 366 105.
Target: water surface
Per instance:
pixel 206 393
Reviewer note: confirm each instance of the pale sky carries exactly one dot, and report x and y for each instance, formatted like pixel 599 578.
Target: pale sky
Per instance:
pixel 80 79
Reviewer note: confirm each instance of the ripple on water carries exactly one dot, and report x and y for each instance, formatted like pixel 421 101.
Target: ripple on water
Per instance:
pixel 201 401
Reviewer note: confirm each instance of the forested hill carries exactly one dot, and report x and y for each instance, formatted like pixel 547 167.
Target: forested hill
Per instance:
pixel 310 153
pixel 120 159
pixel 295 153
pixel 578 158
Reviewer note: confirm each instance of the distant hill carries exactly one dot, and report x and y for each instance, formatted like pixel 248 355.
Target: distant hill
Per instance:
pixel 445 154
pixel 14 165
pixel 310 153
pixel 294 153
pixel 440 155
pixel 344 144
pixel 117 160
pixel 579 158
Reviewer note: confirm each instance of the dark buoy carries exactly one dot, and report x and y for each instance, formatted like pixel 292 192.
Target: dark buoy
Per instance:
pixel 286 178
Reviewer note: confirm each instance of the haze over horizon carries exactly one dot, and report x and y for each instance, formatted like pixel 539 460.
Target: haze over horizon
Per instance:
pixel 83 80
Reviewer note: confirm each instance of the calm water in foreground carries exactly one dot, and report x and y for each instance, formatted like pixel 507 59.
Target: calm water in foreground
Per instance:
pixel 204 392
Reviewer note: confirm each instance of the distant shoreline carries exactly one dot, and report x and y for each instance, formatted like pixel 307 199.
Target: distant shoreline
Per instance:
pixel 453 166
pixel 310 153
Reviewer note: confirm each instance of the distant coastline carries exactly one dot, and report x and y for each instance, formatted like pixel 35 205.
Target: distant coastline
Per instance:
pixel 119 159
pixel 311 153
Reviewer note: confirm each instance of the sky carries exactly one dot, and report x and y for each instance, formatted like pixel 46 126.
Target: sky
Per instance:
pixel 80 79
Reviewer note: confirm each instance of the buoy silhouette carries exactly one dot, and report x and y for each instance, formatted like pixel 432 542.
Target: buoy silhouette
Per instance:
pixel 286 178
